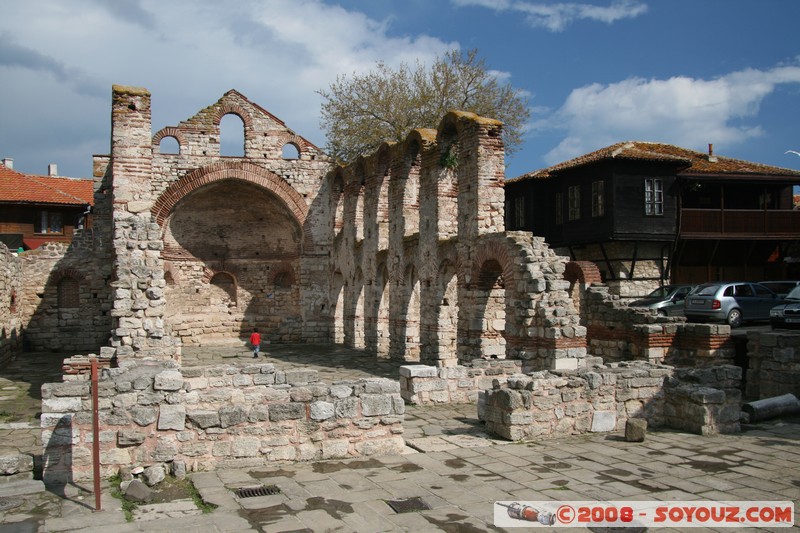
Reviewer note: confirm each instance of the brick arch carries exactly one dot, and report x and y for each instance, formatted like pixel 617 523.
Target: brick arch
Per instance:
pixel 170 131
pixel 283 274
pixel 301 144
pixel 239 111
pixel 70 273
pixel 493 251
pixel 584 272
pixel 233 170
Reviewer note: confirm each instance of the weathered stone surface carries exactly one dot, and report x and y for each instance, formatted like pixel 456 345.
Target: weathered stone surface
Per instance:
pixel 635 429
pixel 169 380
pixel 172 417
pixel 139 492
pixel 322 410
pixel 153 475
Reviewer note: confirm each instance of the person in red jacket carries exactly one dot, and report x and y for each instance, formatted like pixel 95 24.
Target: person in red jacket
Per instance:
pixel 255 342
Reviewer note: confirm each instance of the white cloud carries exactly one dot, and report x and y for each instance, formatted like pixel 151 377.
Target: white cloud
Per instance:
pixel 556 17
pixel 684 111
pixel 187 53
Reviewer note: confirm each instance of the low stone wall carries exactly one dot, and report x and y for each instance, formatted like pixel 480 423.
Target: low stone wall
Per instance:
pixel 549 404
pixel 423 384
pixel 773 365
pixel 617 332
pixel 200 418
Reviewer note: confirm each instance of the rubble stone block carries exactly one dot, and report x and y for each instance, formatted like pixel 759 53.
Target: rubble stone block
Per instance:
pixel 635 429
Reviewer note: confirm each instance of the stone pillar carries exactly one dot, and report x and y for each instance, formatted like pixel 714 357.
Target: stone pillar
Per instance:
pixel 138 286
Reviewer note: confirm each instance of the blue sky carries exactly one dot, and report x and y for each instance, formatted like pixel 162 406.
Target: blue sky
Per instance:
pixel 596 72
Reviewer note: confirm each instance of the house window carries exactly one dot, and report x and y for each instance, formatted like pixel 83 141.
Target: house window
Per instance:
pixel 653 197
pixel 598 203
pixel 519 212
pixel 559 208
pixel 49 222
pixel 574 198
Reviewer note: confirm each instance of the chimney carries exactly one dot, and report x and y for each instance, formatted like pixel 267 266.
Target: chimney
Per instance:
pixel 711 157
pixel 8 162
pixel 52 169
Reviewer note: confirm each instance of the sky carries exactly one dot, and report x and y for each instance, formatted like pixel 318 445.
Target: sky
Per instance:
pixel 594 72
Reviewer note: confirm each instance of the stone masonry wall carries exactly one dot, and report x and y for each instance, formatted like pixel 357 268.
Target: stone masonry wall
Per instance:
pixel 422 384
pixel 10 308
pixel 225 416
pixel 617 332
pixel 423 269
pixel 774 364
pixel 549 404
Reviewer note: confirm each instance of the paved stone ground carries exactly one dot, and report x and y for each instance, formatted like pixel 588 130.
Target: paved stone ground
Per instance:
pixel 452 465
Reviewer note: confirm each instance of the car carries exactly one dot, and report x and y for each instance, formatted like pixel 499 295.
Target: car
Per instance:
pixel 730 302
pixel 787 315
pixel 667 300
pixel 781 288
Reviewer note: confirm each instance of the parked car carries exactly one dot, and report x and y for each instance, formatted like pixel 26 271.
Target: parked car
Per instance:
pixel 787 315
pixel 731 302
pixel 667 300
pixel 781 288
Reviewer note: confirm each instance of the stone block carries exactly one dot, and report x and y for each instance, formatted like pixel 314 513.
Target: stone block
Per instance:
pixel 376 404
pixel 169 380
pixel 287 411
pixel 246 447
pixel 419 371
pixel 322 410
pixel 635 429
pixel 603 421
pixel 172 417
pixel 232 416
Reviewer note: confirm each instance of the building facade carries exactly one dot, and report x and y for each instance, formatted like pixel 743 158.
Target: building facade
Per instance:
pixel 651 213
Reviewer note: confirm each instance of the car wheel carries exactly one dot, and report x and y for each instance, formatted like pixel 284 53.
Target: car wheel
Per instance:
pixel 734 318
pixel 661 312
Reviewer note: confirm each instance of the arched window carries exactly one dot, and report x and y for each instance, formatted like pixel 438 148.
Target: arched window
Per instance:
pixel 223 288
pixel 68 293
pixel 231 136
pixel 290 151
pixel 169 145
pixel 284 279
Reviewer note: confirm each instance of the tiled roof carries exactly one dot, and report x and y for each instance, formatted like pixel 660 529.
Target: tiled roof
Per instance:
pixel 16 187
pixel 693 162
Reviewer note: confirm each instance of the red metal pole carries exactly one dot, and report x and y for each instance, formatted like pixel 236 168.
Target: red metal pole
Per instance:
pixel 95 436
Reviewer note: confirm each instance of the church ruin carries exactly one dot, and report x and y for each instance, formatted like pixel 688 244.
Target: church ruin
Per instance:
pixel 402 253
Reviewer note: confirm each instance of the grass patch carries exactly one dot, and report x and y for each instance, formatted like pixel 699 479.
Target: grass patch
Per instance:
pixel 170 489
pixel 128 506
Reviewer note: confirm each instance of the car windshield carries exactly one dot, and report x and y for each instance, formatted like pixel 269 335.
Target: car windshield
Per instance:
pixel 661 292
pixel 707 290
pixel 794 294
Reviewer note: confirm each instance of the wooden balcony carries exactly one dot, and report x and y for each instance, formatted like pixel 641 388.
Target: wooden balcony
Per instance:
pixel 739 223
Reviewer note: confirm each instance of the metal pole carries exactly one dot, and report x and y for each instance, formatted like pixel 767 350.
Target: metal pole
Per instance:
pixel 95 436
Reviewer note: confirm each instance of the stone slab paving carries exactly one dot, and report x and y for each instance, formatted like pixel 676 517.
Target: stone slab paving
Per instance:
pixel 452 465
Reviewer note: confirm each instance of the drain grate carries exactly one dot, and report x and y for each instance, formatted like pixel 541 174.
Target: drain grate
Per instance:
pixel 252 492
pixel 408 505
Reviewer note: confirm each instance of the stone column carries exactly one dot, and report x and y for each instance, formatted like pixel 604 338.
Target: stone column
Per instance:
pixel 138 286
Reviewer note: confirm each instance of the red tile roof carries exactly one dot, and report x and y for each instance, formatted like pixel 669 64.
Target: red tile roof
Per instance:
pixel 16 187
pixel 693 162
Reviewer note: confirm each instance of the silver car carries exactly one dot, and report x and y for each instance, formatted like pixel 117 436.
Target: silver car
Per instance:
pixel 731 302
pixel 667 300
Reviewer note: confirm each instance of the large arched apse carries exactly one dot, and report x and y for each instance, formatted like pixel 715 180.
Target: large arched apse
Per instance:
pixel 246 232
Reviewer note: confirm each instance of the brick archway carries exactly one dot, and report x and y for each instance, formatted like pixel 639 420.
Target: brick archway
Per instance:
pixel 233 170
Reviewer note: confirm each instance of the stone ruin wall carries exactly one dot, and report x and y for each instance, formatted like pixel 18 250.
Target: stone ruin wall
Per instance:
pixel 550 404
pixel 773 364
pixel 10 308
pixel 617 332
pixel 195 419
pixel 423 269
pixel 61 298
pixel 209 247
